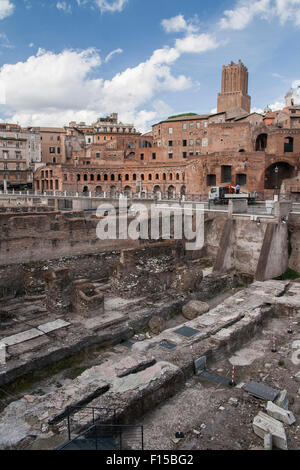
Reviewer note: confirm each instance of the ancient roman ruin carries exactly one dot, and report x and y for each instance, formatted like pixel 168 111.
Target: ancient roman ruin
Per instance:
pixel 124 342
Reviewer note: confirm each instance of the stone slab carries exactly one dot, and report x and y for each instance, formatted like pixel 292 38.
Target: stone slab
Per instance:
pixel 262 391
pixel 285 416
pixel 21 337
pixel 264 424
pixel 52 326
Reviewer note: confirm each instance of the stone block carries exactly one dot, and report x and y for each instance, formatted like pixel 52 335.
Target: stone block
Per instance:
pixel 268 442
pixel 157 324
pixel 264 424
pixel 282 400
pixel 285 416
pixel 194 308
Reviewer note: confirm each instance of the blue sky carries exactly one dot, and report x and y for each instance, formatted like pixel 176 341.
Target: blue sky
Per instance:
pixel 78 59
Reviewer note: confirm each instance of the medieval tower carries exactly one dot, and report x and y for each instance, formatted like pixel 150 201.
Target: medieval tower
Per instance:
pixel 234 91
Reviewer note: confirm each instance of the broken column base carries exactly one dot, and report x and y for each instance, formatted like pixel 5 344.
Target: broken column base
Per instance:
pixel 263 424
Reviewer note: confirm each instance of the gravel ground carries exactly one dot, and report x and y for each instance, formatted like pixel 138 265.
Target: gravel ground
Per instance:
pixel 209 420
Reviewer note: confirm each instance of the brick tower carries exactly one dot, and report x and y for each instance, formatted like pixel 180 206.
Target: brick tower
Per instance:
pixel 234 92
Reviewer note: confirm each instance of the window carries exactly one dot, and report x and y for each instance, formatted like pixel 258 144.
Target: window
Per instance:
pixel 98 177
pixel 198 125
pixel 126 177
pixel 58 138
pixel 56 184
pixel 198 141
pixel 134 177
pixel 226 173
pixel 211 180
pixel 177 176
pixel 170 155
pixel 241 179
pixel 150 177
pixel 52 149
pixel 191 143
pixel 142 177
pixel 92 177
pixel 5 166
pixel 164 176
pixel 58 150
pixel 142 156
pixel 54 160
pixel 170 143
pixel 65 177
pixel 98 155
pixel 205 123
pixel 78 177
pixel 105 177
pixel 204 142
pixel 170 130
pixel 153 156
pixel 191 125
pixel 51 137
pixel 184 154
pixel 157 176
pixel 85 177
pixel 184 143
pixel 184 125
pixel 289 144
pixel 17 166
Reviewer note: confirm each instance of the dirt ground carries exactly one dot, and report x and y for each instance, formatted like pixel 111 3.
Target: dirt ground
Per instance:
pixel 208 419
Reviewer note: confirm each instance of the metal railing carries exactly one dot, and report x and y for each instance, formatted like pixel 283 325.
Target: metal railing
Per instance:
pixel 78 417
pixel 107 437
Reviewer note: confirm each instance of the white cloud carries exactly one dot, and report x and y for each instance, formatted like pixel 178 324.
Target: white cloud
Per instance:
pixel 196 43
pixel 112 53
pixel 64 6
pixel 111 6
pixel 246 10
pixel 53 89
pixel 177 24
pixel 6 8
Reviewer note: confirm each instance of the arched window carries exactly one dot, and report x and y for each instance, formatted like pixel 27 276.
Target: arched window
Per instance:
pixel 78 177
pixel 85 177
pixel 150 177
pixel 142 177
pixel 177 176
pixel 164 176
pixel 261 142
pixel 134 177
pixel 126 177
pixel 105 177
pixel 112 177
pixel 98 177
pixel 92 177
pixel 157 176
pixel 170 176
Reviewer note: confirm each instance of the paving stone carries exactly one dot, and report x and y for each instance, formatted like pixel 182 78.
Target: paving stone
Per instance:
pixel 21 337
pixel 52 326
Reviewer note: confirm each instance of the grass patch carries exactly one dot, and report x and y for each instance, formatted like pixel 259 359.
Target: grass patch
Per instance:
pixel 289 274
pixel 182 115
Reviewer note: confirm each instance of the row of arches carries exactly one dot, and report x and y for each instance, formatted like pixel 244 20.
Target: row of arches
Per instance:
pixel 170 192
pixel 133 177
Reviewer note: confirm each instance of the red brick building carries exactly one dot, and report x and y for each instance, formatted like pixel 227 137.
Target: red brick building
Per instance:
pixel 186 154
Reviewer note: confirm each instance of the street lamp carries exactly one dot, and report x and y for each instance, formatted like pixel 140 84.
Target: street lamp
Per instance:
pixel 276 170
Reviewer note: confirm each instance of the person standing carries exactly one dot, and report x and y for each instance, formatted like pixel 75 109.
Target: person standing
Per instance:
pixel 237 189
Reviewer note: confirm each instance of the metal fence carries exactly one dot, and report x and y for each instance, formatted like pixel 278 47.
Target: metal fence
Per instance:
pixel 107 437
